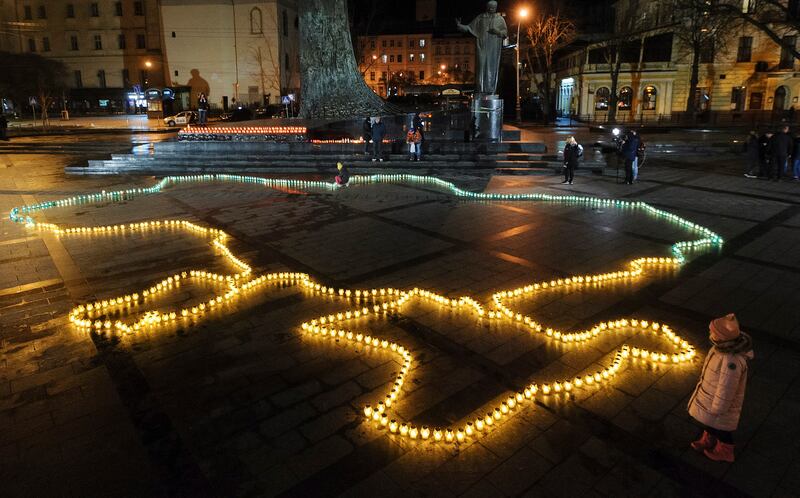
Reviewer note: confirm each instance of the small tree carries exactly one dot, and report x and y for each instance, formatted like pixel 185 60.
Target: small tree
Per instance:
pixel 31 75
pixel 546 33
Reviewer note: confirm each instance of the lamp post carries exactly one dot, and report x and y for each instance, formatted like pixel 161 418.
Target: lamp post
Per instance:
pixel 522 13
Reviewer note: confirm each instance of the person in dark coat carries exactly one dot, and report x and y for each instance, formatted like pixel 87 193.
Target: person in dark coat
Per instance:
pixel 202 109
pixel 572 154
pixel 629 150
pixel 417 125
pixel 378 133
pixel 764 154
pixel 796 158
pixel 366 134
pixel 782 146
pixel 3 127
pixel 753 150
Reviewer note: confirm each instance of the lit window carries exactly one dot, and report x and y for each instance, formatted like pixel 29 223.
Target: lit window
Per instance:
pixel 421 42
pixel 391 58
pixel 372 75
pixel 98 42
pixel 256 21
pixel 400 58
pixel 601 99
pixel 410 57
pixel 422 57
pixel 649 96
pixel 625 99
pixel 384 58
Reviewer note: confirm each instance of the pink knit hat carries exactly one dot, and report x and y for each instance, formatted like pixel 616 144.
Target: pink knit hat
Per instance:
pixel 725 328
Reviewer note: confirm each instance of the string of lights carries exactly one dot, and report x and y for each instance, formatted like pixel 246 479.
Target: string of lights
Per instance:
pixel 380 302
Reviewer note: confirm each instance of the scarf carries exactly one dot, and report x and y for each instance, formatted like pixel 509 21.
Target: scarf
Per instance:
pixel 742 344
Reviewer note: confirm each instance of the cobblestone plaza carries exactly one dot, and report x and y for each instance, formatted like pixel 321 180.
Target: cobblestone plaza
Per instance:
pixel 243 401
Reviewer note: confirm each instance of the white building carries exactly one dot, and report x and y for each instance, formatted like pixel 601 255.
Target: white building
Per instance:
pixel 245 51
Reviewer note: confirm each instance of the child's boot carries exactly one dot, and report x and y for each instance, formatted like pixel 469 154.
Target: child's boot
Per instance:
pixel 721 452
pixel 706 442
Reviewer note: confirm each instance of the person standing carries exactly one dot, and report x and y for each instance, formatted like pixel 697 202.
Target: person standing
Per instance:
pixel 717 400
pixel 418 125
pixel 796 158
pixel 629 150
pixel 753 151
pixel 640 152
pixel 366 134
pixel 765 154
pixel 414 141
pixel 378 132
pixel 782 147
pixel 3 127
pixel 572 154
pixel 202 109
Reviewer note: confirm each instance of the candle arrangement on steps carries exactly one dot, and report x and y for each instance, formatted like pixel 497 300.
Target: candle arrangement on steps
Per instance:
pixel 378 302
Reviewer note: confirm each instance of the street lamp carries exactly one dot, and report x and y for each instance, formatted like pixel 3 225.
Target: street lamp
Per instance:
pixel 522 13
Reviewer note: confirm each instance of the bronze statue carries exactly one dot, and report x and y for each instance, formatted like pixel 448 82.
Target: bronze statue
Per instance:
pixel 490 29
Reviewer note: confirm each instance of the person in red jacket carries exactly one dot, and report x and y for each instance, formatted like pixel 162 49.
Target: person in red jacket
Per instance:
pixel 717 400
pixel 414 141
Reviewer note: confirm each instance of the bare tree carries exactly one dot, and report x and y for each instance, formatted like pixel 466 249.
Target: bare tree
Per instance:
pixel 700 32
pixel 546 33
pixel 627 31
pixel 778 19
pixel 31 75
pixel 265 58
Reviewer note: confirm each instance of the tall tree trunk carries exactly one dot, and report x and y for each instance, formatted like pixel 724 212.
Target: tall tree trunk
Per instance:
pixel 693 79
pixel 612 98
pixel 331 85
pixel 546 101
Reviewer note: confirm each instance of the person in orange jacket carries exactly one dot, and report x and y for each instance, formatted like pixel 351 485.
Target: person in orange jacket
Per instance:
pixel 717 400
pixel 414 141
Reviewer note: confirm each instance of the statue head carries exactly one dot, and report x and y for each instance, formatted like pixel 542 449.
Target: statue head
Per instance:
pixel 491 7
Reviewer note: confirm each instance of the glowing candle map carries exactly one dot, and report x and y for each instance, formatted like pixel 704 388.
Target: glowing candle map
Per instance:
pixel 131 312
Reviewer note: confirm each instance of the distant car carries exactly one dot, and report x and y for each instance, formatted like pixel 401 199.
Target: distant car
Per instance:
pixel 182 118
pixel 239 114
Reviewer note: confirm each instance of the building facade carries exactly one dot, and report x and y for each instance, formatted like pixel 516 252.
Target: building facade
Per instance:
pixel 236 52
pixel 388 62
pixel 744 79
pixel 112 49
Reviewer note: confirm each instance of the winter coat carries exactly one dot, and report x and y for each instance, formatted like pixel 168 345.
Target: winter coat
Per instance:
pixel 631 147
pixel 202 104
pixel 796 151
pixel 782 145
pixel 752 147
pixel 571 155
pixel 413 137
pixel 344 175
pixel 366 130
pixel 378 131
pixel 764 147
pixel 718 397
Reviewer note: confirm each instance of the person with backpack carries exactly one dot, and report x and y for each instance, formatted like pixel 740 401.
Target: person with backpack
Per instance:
pixel 573 151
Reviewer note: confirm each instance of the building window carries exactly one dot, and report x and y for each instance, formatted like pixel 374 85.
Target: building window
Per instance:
pixel 781 98
pixel 422 75
pixel 410 43
pixel 138 8
pixel 787 59
pixel 707 52
pixel 31 45
pixel 41 12
pixel 118 9
pixel 421 43
pixel 391 58
pixel 176 72
pixel 737 98
pixel 410 57
pixel 383 76
pixel 422 57
pixel 372 44
pixel 457 50
pixel 447 50
pixel 45 44
pixel 756 101
pixel 649 96
pixel 391 43
pixel 101 78
pixel 383 43
pixel 78 80
pixel 256 27
pixel 141 42
pixel 70 11
pixel 400 58
pixel 173 34
pixel 28 12
pixel 372 75
pixel 121 41
pixel 702 100
pixel 748 6
pixel 384 58
pixel 437 50
pixel 94 9
pixel 743 54
pixel 98 42
pixel 73 42
pixel 126 77
pixel 601 99
pixel 285 24
pixel 625 98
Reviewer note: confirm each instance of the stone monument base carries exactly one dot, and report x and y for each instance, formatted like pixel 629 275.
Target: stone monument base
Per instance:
pixel 487 115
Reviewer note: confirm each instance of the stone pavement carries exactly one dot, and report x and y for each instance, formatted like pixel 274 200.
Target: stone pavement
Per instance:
pixel 245 404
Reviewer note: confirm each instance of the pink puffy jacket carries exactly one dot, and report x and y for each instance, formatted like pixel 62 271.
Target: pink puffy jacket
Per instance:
pixel 718 397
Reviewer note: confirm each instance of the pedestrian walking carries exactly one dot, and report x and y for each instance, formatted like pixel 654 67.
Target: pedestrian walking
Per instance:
pixel 419 125
pixel 764 154
pixel 717 400
pixel 3 127
pixel 630 147
pixel 572 154
pixel 640 154
pixel 366 134
pixel 782 146
pixel 202 109
pixel 753 151
pixel 378 132
pixel 414 141
pixel 343 175
pixel 796 158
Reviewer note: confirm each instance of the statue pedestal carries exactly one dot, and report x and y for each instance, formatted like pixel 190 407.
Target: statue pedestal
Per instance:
pixel 487 113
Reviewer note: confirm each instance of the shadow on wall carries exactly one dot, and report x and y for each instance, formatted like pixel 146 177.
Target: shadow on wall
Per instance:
pixel 198 85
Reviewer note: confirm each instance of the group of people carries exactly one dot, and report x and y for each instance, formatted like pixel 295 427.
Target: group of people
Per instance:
pixel 374 132
pixel 773 156
pixel 631 149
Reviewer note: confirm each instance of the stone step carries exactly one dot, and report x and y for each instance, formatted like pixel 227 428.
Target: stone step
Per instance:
pixel 429 147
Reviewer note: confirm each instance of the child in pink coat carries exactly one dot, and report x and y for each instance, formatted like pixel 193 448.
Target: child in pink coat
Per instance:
pixel 717 400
